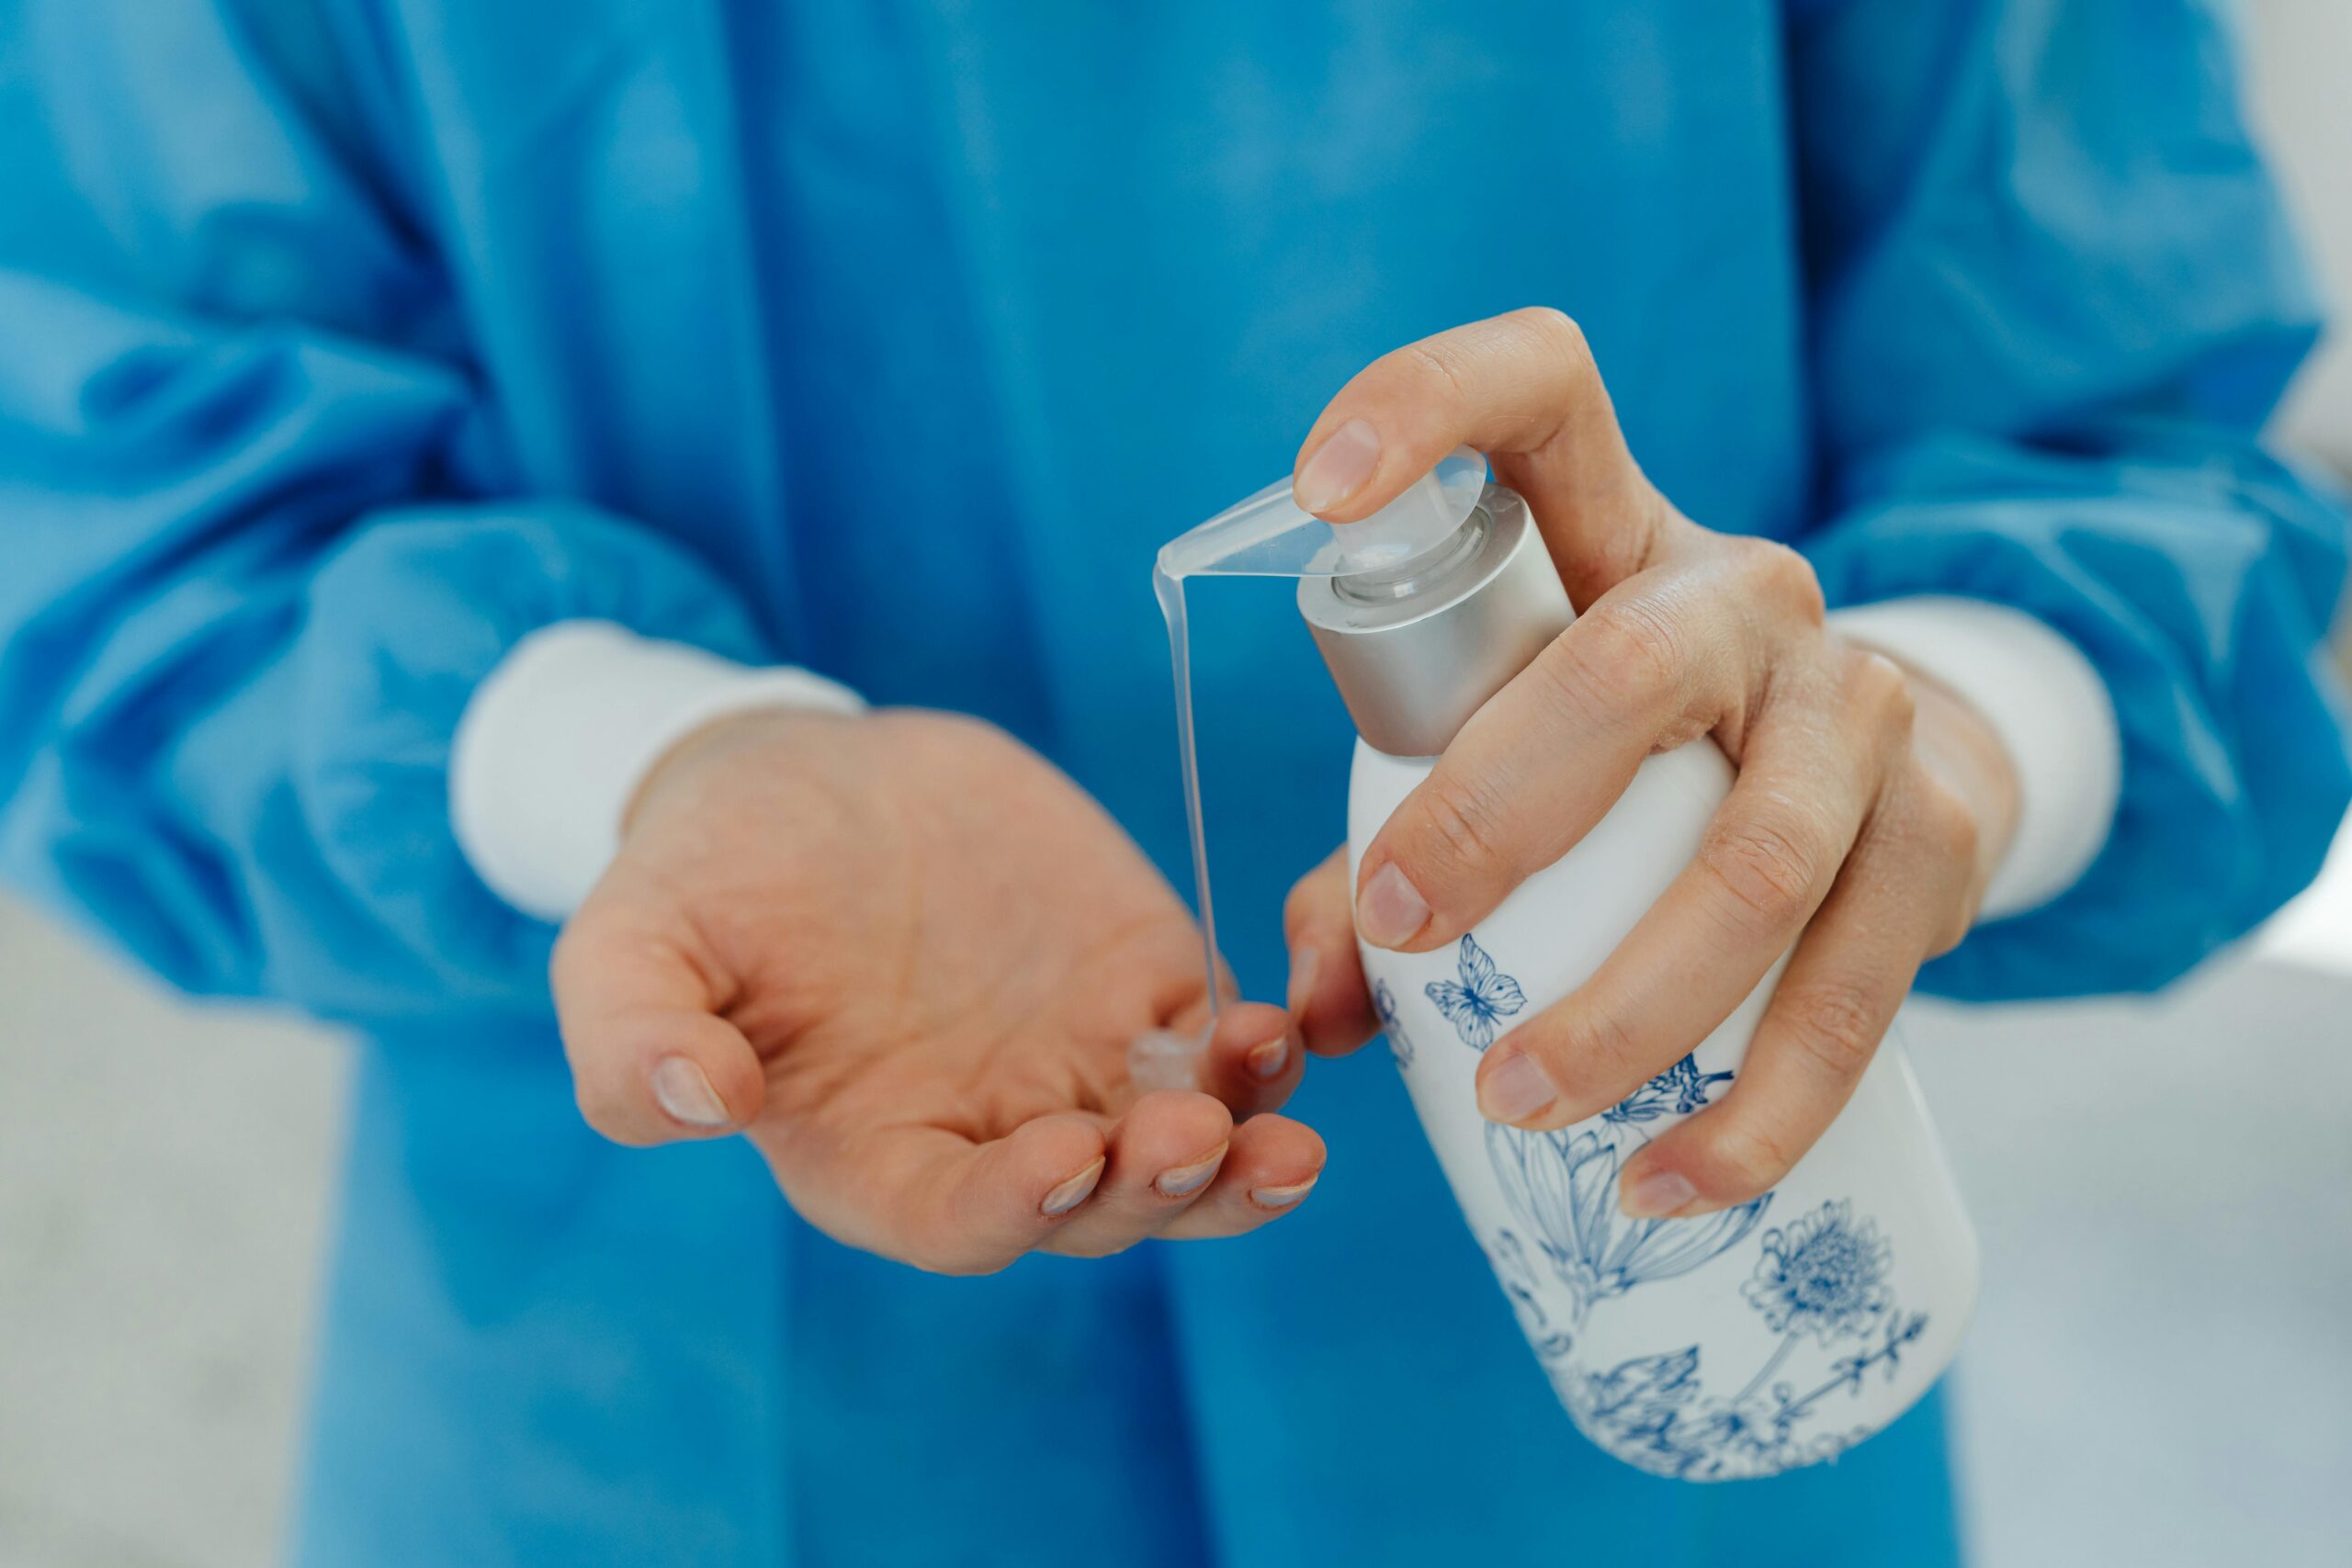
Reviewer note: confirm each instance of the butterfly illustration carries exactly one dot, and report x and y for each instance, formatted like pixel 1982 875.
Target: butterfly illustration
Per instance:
pixel 1678 1091
pixel 1483 995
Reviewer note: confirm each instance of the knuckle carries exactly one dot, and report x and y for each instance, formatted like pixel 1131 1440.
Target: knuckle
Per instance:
pixel 1430 363
pixel 1566 693
pixel 1752 1159
pixel 1836 1025
pixel 1298 909
pixel 1944 821
pixel 1948 832
pixel 1555 331
pixel 1767 867
pixel 1877 685
pixel 1596 1049
pixel 1468 826
pixel 567 959
pixel 1784 579
pixel 1954 928
pixel 1626 654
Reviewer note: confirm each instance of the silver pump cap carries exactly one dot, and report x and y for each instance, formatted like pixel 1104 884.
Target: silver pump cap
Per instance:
pixel 1415 648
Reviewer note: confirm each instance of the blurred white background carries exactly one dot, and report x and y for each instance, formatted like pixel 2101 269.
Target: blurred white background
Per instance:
pixel 2161 1375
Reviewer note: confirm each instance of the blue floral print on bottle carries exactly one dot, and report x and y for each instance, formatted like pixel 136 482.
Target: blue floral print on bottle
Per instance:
pixel 1637 1409
pixel 1483 997
pixel 1384 1002
pixel 1821 1278
pixel 1654 1412
pixel 1518 1276
pixel 1562 1188
pixel 1823 1274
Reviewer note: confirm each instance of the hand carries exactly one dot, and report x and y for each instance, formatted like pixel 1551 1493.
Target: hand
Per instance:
pixel 906 957
pixel 1869 810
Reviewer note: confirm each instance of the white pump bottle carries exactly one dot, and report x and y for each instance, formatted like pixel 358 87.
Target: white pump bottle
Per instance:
pixel 1738 1344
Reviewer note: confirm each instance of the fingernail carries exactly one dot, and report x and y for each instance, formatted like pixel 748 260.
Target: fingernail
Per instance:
pixel 1280 1197
pixel 1391 909
pixel 1514 1089
pixel 1656 1193
pixel 1073 1192
pixel 1304 964
pixel 1267 1061
pixel 685 1093
pixel 1339 467
pixel 1186 1180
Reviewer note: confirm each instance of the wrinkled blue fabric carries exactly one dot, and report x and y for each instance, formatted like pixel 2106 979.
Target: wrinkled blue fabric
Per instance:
pixel 344 341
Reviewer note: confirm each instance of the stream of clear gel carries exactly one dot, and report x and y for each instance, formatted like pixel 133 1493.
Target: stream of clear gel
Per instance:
pixel 1267 535
pixel 1170 592
pixel 1165 1058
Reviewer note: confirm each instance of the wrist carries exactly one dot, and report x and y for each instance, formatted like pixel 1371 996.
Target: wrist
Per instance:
pixel 555 745
pixel 721 739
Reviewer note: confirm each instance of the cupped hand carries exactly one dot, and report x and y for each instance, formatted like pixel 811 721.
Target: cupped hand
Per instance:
pixel 906 957
pixel 1869 808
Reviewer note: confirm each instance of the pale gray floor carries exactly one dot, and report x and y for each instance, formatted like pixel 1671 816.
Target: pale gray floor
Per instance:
pixel 2161 1375
pixel 2161 1372
pixel 164 1185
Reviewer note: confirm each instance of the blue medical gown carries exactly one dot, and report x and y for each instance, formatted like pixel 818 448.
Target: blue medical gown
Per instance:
pixel 343 343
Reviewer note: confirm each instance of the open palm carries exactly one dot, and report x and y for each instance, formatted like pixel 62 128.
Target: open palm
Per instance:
pixel 907 958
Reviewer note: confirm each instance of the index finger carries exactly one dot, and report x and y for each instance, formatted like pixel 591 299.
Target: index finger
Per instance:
pixel 1521 387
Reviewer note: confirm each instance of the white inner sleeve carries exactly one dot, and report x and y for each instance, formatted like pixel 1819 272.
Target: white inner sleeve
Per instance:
pixel 2051 710
pixel 553 746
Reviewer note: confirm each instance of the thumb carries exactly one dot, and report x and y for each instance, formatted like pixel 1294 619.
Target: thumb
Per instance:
pixel 653 1062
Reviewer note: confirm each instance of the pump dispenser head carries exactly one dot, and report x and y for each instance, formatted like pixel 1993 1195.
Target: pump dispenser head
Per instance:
pixel 1269 536
pixel 1422 611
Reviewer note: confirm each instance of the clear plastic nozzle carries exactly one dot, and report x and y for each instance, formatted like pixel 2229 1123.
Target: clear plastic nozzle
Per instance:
pixel 1269 536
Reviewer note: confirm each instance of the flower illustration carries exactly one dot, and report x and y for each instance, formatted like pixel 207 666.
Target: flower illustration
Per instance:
pixel 1749 1425
pixel 1483 995
pixel 1823 1274
pixel 1651 1385
pixel 1637 1409
pixel 1656 1412
pixel 1562 1188
pixel 1384 1002
pixel 1509 1262
pixel 1900 1331
pixel 1678 1091
pixel 1652 1412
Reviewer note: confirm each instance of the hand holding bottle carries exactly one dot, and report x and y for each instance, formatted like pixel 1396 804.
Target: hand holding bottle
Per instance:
pixel 905 956
pixel 1870 811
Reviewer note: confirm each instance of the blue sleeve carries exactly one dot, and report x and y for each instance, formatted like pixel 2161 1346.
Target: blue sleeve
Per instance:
pixel 255 547
pixel 2053 301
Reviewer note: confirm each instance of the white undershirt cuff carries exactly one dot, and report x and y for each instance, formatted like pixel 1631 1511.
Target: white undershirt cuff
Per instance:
pixel 554 743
